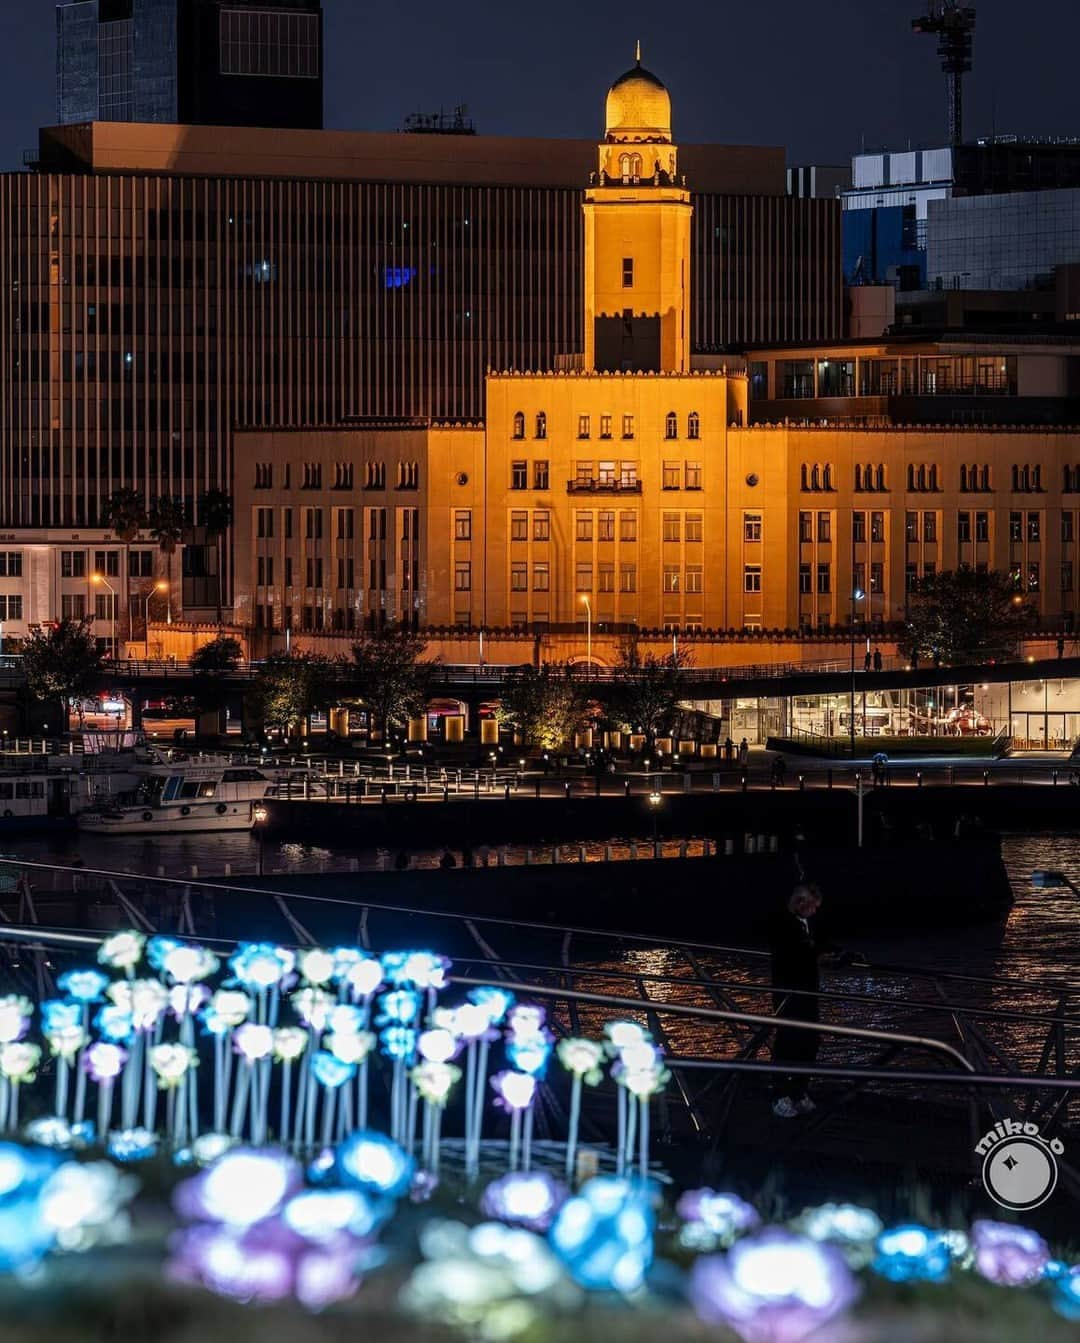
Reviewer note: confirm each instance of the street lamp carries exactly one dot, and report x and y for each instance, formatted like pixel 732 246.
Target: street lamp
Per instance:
pixel 159 586
pixel 857 595
pixel 100 578
pixel 260 816
pixel 655 801
pixel 588 630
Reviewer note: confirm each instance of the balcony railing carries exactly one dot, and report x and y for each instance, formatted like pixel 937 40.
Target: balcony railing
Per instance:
pixel 590 485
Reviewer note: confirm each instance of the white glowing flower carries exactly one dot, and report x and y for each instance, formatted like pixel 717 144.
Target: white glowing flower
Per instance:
pixel 67 1041
pixel 345 1018
pixel 171 1063
pixel 185 963
pixel 364 977
pixel 231 1006
pixel 514 1090
pixel 625 1035
pixel 436 1046
pixel 243 1188
pixel 313 1007
pixel 145 999
pixel 524 1020
pixel 83 1203
pixel 350 1046
pixel 122 951
pixel 643 1082
pixel 15 1014
pixel 582 1058
pixel 253 1042
pixel 19 1060
pixel 185 998
pixel 210 1147
pixel 316 966
pixel 468 1022
pixel 289 1043
pixel 639 1057
pixel 434 1081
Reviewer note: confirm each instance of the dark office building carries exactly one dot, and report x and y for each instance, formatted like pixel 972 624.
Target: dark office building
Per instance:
pixel 199 62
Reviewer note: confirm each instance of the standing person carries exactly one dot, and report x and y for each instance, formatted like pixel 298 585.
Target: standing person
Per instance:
pixel 867 660
pixel 877 659
pixel 1061 646
pixel 729 751
pixel 744 753
pixel 795 980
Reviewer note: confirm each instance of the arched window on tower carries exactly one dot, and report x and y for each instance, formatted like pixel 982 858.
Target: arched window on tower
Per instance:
pixel 519 424
pixel 880 481
pixel 671 425
pixel 541 424
pixel 693 425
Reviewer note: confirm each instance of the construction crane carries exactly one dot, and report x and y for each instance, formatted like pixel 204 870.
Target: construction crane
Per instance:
pixel 954 26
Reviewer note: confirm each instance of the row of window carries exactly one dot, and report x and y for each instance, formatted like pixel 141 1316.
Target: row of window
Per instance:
pixel 924 526
pixel 11 606
pixel 925 478
pixel 106 563
pixel 408 572
pixel 408 475
pixel 345 523
pixel 671 425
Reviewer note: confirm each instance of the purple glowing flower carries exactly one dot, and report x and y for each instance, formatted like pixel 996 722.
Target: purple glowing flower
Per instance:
pixel 713 1218
pixel 524 1198
pixel 1011 1256
pixel 244 1187
pixel 104 1062
pixel 514 1091
pixel 775 1287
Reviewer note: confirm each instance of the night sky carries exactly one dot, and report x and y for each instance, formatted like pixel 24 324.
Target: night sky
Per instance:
pixel 822 79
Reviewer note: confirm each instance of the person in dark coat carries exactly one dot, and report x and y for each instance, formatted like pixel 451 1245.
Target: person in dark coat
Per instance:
pixel 795 979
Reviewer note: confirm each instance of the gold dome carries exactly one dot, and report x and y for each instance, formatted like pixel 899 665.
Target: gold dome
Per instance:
pixel 638 107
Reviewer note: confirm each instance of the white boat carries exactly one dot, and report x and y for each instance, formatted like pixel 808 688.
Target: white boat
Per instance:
pixel 208 795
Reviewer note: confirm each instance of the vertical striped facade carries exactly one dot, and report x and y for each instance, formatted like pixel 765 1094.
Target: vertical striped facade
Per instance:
pixel 146 317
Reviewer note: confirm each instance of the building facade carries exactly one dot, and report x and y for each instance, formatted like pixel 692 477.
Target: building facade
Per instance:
pixel 197 62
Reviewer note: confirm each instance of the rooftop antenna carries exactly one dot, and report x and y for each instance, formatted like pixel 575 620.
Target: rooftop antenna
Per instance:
pixel 953 25
pixel 637 51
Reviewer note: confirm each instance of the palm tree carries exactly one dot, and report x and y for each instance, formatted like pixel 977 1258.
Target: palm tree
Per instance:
pixel 168 522
pixel 125 515
pixel 216 515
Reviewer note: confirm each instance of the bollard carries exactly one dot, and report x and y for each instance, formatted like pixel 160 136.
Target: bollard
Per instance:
pixel 581 854
pixel 385 793
pixel 626 788
pixel 501 857
pixel 986 778
pixel 506 792
pixel 682 848
pixel 446 792
pixel 802 783
pixel 729 847
pixel 194 869
pixel 228 869
pixel 716 783
pixel 1053 775
pixel 528 857
pixel 555 855
pixel 686 782
pixel 774 843
pixel 566 787
pixel 607 853
pixel 748 843
pixel 828 776
pixel 633 850
pixel 744 783
pixel 918 778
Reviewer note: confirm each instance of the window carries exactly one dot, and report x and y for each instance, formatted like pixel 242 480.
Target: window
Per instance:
pixel 519 475
pixel 751 527
pixel 462 576
pixel 1066 575
pixel 519 526
pixel 824 579
pixel 1016 526
pixel 1033 526
pixel 263 43
pixel 672 475
pixel 693 425
pixel 374 475
pixel 1033 577
pixel 607 527
pixel 343 475
pixel 288 571
pixel 346 572
pixel 692 476
pixel 858 578
pixel 929 522
pixel 314 573
pixel 264 522
pixel 805 579
pixel 541 578
pixel 628 475
pixel 858 526
pixel 583 578
pixel 519 576
pixel 671 425
pixel 605 474
pixel 264 475
pixel 106 562
pixel 519 424
pixel 929 569
pixel 583 426
pixel 671 578
pixel 607 578
pixel 312 477
pixel 627 526
pixel 628 426
pixel 463 524
pixel 877 526
pixel 541 424
pixel 73 606
pixel 911 526
pixel 824 527
pixel 103 605
pixel 911 576
pixel 408 476
pixel 982 526
pixel 628 578
pixel 313 523
pixel 542 525
pixel 583 473
pixel 11 608
pixel 605 426
pixel 73 563
pixel 671 526
pixel 806 527
pixel 264 570
pixel 346 523
pixel 1067 526
pixel 695 578
pixel 752 578
pixel 628 272
pixel 694 527
pixel 963 527
pixel 877 576
pixel 540 475
pixel 583 526
pixel 286 514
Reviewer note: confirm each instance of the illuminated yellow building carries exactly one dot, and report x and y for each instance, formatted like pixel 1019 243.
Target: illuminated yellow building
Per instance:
pixel 626 487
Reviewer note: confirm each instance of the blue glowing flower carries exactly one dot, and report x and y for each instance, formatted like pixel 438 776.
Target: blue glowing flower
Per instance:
pixel 1011 1256
pixel 84 986
pixel 530 1053
pixel 604 1236
pixel 398 1042
pixel 399 1008
pixel 524 1198
pixel 711 1219
pixel 25 1235
pixel 57 1015
pixel 133 1144
pixel 1066 1297
pixel 423 969
pixel 374 1164
pixel 261 965
pixel 115 1023
pixel 329 1071
pixel 912 1253
pixel 495 1002
pixel 158 948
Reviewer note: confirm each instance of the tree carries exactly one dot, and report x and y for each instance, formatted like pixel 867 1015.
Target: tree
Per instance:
pixel 391 681
pixel 544 705
pixel 646 690
pixel 168 522
pixel 289 686
pixel 125 514
pixel 62 663
pixel 965 616
pixel 210 667
pixel 216 516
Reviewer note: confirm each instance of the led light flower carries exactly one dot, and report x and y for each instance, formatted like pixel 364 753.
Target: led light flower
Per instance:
pixel 1066 1298
pixel 171 1063
pixel 434 1081
pixel 115 1023
pixel 149 1000
pixel 66 1042
pixel 345 1018
pixel 363 977
pixel 84 1204
pixel 132 1144
pixel 313 1007
pixel 350 1046
pixel 15 1014
pixel 244 1187
pixel 157 948
pixel 316 966
pixel 187 964
pixel 436 1046
pixel 344 959
pixel 604 1236
pixel 1011 1256
pixel 582 1058
pixel 912 1253
pixel 374 1164
pixel 253 1042
pixel 59 1016
pixel 853 1230
pixel 525 1020
pixel 323 1214
pixel 25 1236
pixel 19 1061
pixel 329 1071
pixel 231 1006
pixel 422 969
pixel 399 1008
pixel 398 1042
pixel 526 1198
pixel 712 1219
pixel 961 1250
pixel 261 965
pixel 467 1022
pixel 53 1131
pixel 773 1288
pixel 530 1053
pixel 122 951
pixel 289 1043
pixel 623 1035
pixel 84 986
pixel 185 999
pixel 643 1081
pixel 210 1147
pixel 494 1001
pixel 514 1091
